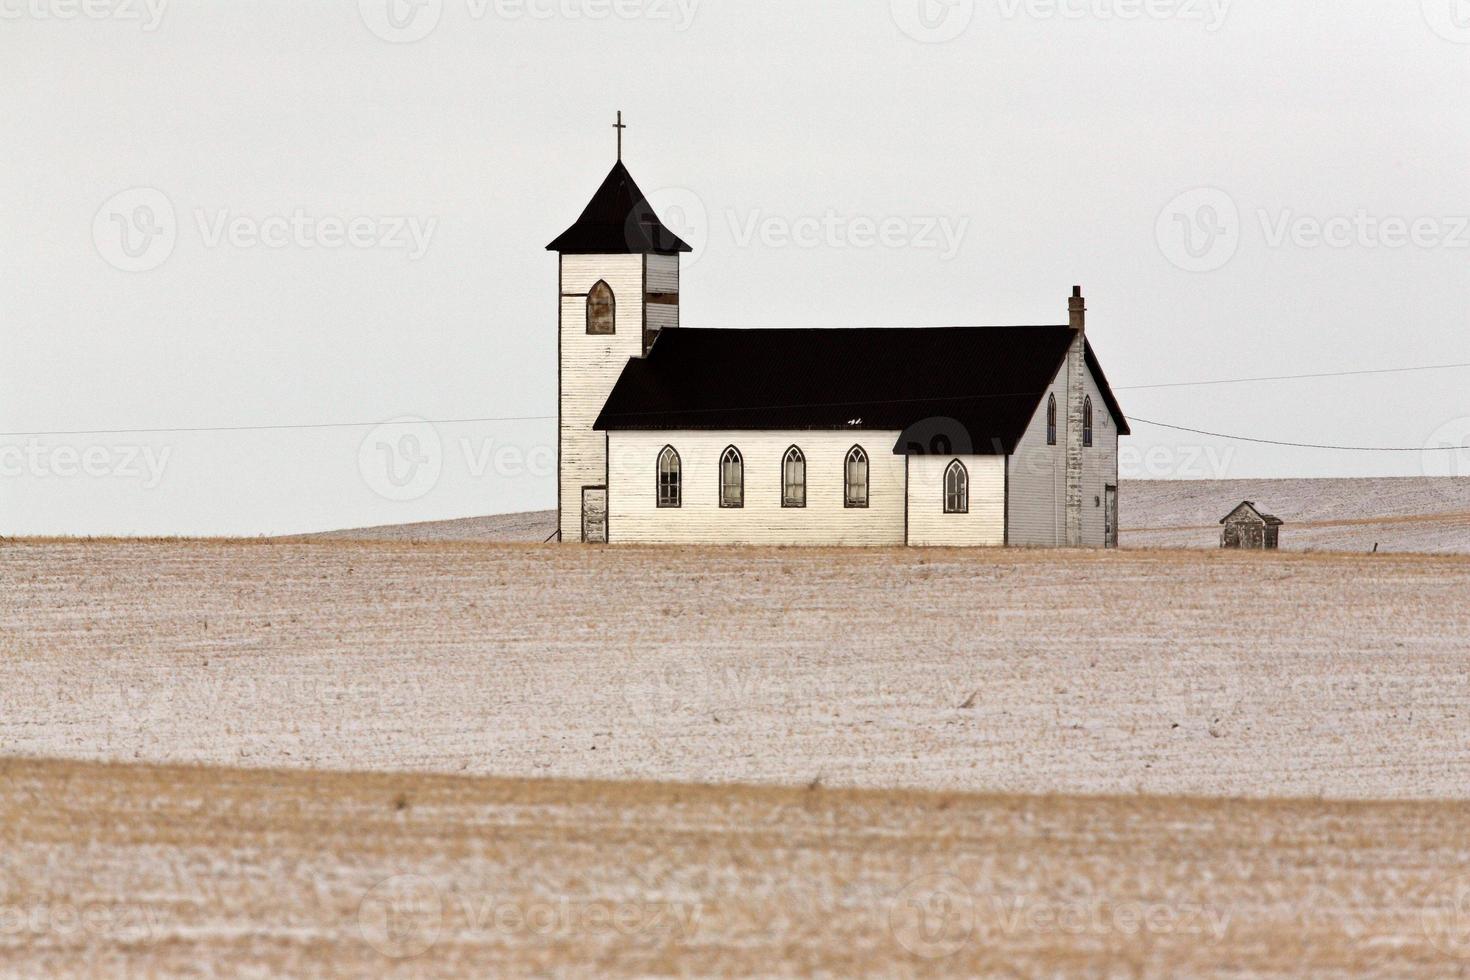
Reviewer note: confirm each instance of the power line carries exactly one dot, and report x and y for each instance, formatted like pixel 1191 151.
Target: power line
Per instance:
pixel 1301 445
pixel 548 418
pixel 270 428
pixel 1292 377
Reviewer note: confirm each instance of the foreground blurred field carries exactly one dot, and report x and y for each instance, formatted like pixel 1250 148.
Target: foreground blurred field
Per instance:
pixel 123 870
pixel 993 671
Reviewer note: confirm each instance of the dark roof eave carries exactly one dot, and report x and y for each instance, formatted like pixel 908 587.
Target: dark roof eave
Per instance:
pixel 655 394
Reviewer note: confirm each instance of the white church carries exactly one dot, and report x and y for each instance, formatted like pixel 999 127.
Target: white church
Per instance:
pixel 941 436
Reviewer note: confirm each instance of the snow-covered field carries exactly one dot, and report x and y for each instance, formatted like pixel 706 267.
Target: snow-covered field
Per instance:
pixel 141 871
pixel 1032 672
pixel 1425 515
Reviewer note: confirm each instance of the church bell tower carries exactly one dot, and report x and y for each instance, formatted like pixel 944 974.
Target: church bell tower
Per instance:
pixel 618 276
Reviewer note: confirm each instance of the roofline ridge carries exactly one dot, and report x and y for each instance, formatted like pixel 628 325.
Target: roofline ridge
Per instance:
pixel 961 326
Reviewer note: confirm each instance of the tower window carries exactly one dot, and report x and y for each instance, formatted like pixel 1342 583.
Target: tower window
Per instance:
pixel 669 478
pixel 732 479
pixel 601 309
pixel 793 478
pixel 956 489
pixel 1051 419
pixel 855 479
pixel 1087 421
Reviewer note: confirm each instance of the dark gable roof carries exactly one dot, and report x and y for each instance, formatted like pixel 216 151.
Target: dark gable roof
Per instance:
pixel 970 389
pixel 1250 505
pixel 618 221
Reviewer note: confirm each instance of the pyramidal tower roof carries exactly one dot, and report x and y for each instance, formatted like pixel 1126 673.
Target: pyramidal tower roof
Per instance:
pixel 618 220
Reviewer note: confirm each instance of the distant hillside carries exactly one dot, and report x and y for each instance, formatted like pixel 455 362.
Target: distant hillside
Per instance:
pixel 531 526
pixel 1398 514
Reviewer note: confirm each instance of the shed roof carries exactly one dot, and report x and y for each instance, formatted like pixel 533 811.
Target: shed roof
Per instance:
pixel 979 386
pixel 1248 509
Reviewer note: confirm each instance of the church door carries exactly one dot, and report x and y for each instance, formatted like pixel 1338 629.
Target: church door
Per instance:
pixel 1110 517
pixel 594 515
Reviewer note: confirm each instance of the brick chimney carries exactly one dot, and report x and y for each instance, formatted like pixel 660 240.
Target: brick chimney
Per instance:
pixel 1076 372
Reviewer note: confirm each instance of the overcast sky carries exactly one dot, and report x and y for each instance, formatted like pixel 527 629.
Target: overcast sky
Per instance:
pixel 282 213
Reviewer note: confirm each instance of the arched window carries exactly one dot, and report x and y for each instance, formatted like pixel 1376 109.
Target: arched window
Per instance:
pixel 601 309
pixel 956 489
pixel 793 478
pixel 1051 419
pixel 669 478
pixel 856 478
pixel 1087 421
pixel 732 479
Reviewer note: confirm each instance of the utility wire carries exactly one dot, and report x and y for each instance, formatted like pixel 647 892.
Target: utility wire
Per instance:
pixel 1292 377
pixel 1301 445
pixel 548 418
pixel 270 428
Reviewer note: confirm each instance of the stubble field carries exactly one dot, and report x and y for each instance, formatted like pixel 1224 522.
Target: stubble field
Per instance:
pixel 883 697
pixel 1025 672
pixel 128 870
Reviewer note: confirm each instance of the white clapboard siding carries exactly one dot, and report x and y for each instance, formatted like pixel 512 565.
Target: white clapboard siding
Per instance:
pixel 634 515
pixel 1038 474
pixel 1038 489
pixel 663 273
pixel 590 365
pixel 1099 468
pixel 663 316
pixel 983 525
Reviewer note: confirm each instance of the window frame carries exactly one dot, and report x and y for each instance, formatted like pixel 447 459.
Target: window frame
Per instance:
pixel 849 501
pixel 1051 419
pixel 739 503
pixel 793 454
pixel 962 490
pixel 1087 422
pixel 676 499
pixel 612 310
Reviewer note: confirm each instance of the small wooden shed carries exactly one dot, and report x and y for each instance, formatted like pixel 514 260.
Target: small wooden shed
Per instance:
pixel 1247 527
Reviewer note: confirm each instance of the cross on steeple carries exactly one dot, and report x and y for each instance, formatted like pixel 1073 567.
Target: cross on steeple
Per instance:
pixel 620 127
